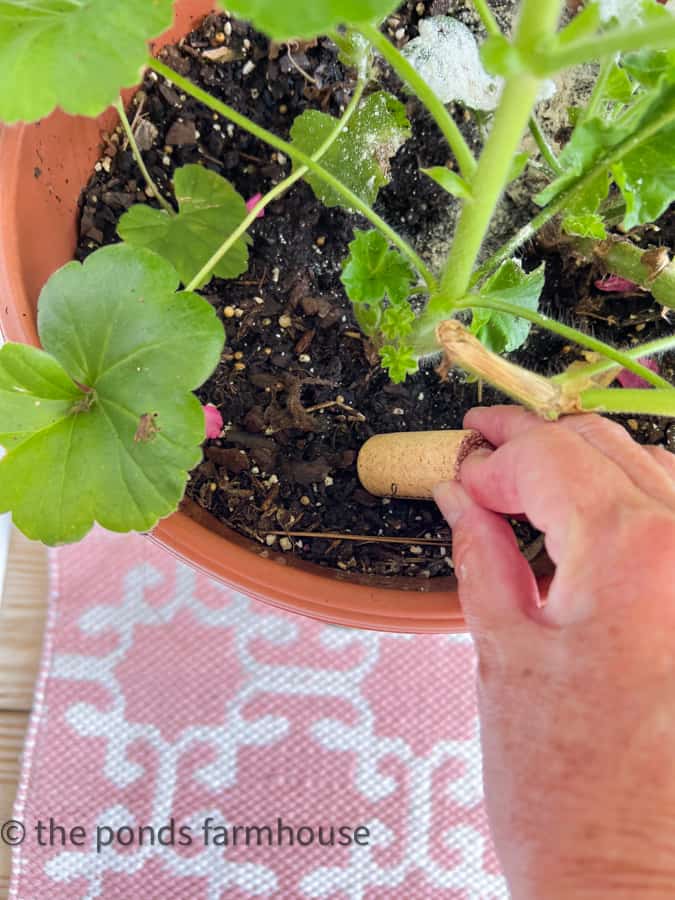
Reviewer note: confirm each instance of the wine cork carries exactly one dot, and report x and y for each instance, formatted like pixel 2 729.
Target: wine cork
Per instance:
pixel 409 464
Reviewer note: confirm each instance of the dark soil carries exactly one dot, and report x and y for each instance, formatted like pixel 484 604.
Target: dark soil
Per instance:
pixel 298 386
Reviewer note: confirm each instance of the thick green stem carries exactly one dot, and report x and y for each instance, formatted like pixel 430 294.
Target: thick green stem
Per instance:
pixel 629 400
pixel 278 190
pixel 656 36
pixel 592 370
pixel 352 200
pixel 408 74
pixel 135 150
pixel 563 199
pixel 544 147
pixel 570 334
pixel 538 22
pixel 650 269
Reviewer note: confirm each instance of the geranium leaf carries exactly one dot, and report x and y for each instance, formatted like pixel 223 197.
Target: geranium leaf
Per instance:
pixel 102 426
pixel 399 361
pixel 360 155
pixel 502 332
pixel 587 225
pixel 374 270
pixel 645 175
pixel 209 210
pixel 76 54
pixel 298 19
pixel 397 322
pixel 450 181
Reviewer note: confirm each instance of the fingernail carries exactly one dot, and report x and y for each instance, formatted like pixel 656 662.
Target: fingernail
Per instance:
pixel 452 500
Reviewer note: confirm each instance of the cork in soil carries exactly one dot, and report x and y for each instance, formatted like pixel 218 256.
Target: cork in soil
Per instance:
pixel 299 387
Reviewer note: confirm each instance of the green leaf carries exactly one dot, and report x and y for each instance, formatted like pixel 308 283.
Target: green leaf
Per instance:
pixel 368 317
pixel 360 155
pixel 76 54
pixel 102 426
pixel 589 142
pixel 399 361
pixel 619 87
pixel 647 66
pixel 501 332
pixel 520 161
pixel 450 181
pixel 397 321
pixel 589 225
pixel 210 210
pixel 582 26
pixel 373 270
pixel 355 51
pixel 298 19
pixel 501 57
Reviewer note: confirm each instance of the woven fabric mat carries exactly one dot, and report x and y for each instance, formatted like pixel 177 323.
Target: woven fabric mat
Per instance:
pixel 188 742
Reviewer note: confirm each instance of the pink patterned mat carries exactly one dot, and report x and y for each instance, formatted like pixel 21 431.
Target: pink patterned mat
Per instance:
pixel 173 714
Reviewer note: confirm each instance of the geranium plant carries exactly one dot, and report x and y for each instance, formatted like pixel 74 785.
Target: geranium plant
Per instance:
pixel 102 426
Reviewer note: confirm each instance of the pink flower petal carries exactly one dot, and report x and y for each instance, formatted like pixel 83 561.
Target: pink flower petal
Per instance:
pixel 213 421
pixel 631 380
pixel 615 284
pixel 256 198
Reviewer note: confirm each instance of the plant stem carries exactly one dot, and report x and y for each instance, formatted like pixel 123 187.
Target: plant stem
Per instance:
pixel 629 400
pixel 657 36
pixel 278 190
pixel 621 257
pixel 353 201
pixel 570 334
pixel 544 147
pixel 534 391
pixel 586 373
pixel 408 74
pixel 486 17
pixel 598 90
pixel 157 194
pixel 563 199
pixel 537 22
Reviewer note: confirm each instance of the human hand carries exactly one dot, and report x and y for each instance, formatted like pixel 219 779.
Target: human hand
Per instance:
pixel 577 697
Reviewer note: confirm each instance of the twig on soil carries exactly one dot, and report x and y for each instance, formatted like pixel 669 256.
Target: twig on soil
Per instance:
pixel 327 404
pixel 363 538
pixel 297 66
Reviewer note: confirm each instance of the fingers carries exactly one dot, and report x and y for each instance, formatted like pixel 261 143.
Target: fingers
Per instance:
pixel 665 459
pixel 646 468
pixel 498 424
pixel 496 585
pixel 552 475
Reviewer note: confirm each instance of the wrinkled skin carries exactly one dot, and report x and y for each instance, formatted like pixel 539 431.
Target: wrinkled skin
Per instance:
pixel 577 696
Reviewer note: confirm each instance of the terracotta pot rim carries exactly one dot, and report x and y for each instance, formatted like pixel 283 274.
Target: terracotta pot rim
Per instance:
pixel 303 588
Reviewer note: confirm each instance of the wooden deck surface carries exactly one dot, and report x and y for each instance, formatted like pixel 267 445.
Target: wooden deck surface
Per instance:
pixel 22 619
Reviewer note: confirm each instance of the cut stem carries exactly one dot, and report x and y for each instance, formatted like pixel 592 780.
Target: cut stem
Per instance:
pixel 570 334
pixel 463 349
pixel 652 270
pixel 353 201
pixel 411 77
pixel 277 191
pixel 135 150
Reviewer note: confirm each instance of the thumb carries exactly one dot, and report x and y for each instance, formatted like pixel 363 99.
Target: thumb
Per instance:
pixel 497 588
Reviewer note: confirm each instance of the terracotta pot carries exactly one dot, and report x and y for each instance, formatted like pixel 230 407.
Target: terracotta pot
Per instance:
pixel 42 170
